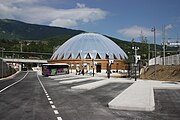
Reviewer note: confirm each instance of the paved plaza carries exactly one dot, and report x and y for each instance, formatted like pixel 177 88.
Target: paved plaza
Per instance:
pixel 75 97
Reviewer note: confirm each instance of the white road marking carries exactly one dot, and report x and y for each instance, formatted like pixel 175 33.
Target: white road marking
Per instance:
pixel 56 112
pixel 41 84
pixel 59 118
pixel 53 106
pixel 14 83
pixel 50 102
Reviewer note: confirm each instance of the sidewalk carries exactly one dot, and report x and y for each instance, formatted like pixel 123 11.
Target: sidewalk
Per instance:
pixel 140 95
pixel 100 83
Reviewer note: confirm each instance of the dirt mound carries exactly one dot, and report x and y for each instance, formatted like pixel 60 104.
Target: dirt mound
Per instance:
pixel 165 73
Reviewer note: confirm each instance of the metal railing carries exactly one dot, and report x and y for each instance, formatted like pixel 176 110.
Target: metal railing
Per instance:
pixel 24 60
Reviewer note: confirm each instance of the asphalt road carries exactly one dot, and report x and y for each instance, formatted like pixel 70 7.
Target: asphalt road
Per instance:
pixel 25 100
pixel 5 83
pixel 41 98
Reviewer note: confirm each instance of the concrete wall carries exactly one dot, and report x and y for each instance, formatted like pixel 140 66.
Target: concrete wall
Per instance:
pixel 5 70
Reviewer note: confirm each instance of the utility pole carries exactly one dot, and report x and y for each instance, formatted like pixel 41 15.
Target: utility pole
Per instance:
pixel 154 31
pixel 178 42
pixel 21 46
pixel 149 49
pixel 163 37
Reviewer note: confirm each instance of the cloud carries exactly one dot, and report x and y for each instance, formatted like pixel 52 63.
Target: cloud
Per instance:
pixel 19 2
pixel 78 15
pixel 167 27
pixel 34 12
pixel 135 31
pixel 63 23
pixel 80 5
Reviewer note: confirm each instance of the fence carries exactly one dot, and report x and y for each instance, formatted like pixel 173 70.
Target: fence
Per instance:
pixel 169 60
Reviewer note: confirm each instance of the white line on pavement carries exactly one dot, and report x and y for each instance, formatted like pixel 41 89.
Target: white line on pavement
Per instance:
pixel 50 102
pixel 42 84
pixel 56 112
pixel 53 106
pixel 14 83
pixel 59 118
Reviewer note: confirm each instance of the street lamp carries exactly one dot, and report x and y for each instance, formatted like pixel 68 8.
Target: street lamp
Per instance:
pixel 83 66
pixel 2 49
pixel 135 59
pixel 93 66
pixel 82 63
pixel 108 66
pixel 94 53
pixel 70 66
pixel 154 31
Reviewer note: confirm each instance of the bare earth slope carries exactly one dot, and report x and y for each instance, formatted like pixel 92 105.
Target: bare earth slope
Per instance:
pixel 165 73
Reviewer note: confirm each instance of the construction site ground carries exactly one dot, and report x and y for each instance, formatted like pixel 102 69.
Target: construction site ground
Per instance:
pixel 163 73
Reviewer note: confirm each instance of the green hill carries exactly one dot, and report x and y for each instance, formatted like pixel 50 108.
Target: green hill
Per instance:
pixel 19 36
pixel 16 30
pixel 13 31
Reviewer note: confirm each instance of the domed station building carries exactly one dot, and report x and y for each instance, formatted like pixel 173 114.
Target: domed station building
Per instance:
pixel 90 52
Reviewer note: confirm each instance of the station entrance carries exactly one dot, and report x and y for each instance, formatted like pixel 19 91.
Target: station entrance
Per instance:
pixel 98 68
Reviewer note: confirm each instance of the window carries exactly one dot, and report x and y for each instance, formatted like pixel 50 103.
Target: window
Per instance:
pixel 70 56
pixel 78 56
pixel 88 56
pixel 98 56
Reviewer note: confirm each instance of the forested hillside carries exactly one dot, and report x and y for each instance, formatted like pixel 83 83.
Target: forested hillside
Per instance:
pixel 20 36
pixel 16 30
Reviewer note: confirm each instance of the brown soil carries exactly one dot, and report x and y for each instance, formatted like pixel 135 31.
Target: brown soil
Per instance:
pixel 164 73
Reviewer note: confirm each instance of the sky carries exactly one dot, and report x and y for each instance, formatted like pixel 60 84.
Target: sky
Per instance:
pixel 122 19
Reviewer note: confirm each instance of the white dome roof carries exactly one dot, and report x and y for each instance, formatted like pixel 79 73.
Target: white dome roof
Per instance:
pixel 89 45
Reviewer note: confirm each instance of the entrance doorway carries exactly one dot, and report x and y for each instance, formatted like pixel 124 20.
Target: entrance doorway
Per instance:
pixel 98 68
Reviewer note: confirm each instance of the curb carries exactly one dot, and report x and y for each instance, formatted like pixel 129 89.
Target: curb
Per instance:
pixel 9 77
pixel 134 99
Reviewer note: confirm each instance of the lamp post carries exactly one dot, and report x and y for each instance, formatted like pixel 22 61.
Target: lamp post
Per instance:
pixel 135 59
pixel 70 64
pixel 82 63
pixel 154 31
pixel 83 66
pixel 108 67
pixel 2 49
pixel 71 67
pixel 93 66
